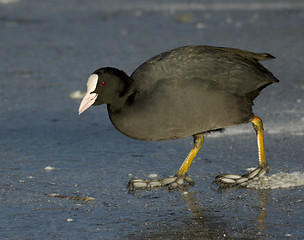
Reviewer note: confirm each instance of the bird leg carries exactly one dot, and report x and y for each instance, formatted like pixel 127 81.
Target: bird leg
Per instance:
pixel 227 180
pixel 178 179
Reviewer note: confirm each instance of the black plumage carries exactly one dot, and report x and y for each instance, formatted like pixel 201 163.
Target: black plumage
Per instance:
pixel 184 92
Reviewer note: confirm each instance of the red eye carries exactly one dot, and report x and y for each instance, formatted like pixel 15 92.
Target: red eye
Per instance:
pixel 103 83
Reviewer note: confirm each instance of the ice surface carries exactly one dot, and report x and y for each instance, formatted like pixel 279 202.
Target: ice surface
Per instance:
pixel 206 6
pixel 49 49
pixel 8 1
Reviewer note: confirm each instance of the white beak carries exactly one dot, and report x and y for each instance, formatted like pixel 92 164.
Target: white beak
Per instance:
pixel 89 99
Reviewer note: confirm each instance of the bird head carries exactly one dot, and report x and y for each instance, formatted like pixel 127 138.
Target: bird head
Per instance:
pixel 105 85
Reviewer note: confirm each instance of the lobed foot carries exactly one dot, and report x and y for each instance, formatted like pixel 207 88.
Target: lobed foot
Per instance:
pixel 230 180
pixel 171 182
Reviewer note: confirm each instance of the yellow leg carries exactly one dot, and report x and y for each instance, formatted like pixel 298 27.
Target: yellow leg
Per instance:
pixel 198 142
pixel 263 167
pixel 180 177
pixel 258 126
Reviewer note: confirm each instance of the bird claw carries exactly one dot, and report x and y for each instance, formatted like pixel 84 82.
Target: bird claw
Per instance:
pixel 231 180
pixel 171 182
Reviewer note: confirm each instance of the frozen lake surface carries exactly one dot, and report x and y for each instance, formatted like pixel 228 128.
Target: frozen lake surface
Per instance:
pixel 48 50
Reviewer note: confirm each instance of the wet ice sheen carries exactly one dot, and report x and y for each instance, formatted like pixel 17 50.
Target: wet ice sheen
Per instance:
pixel 278 180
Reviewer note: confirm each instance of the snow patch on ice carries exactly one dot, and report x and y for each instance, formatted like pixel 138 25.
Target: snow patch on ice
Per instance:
pixel 278 180
pixel 233 131
pixel 77 94
pixel 49 168
pixel 152 175
pixel 295 128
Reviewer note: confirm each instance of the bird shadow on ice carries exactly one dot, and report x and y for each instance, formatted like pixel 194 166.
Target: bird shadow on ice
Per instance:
pixel 203 223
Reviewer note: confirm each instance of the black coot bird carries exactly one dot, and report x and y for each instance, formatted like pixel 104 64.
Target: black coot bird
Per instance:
pixel 184 92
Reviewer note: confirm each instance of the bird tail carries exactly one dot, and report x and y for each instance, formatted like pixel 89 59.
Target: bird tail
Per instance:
pixel 263 56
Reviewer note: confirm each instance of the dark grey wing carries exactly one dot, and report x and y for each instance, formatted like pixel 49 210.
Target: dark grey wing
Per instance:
pixel 237 71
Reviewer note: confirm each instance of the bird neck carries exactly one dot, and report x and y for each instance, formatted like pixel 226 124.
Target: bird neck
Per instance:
pixel 125 97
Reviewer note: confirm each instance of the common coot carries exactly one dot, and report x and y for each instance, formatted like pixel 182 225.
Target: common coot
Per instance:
pixel 187 91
